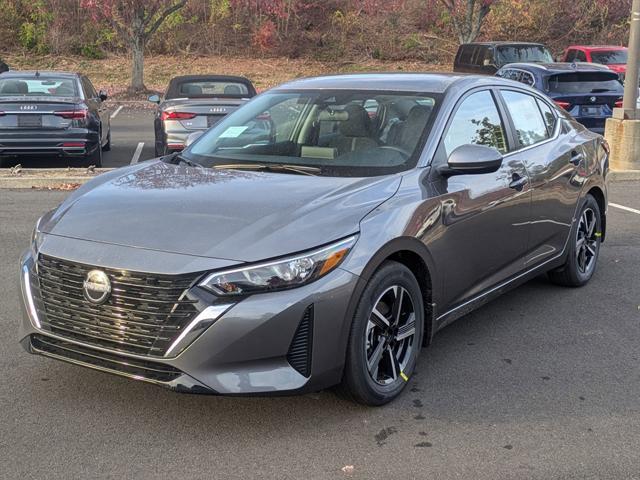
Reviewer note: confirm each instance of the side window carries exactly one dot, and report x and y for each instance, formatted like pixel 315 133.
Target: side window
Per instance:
pixel 476 121
pixel 548 116
pixel 527 119
pixel 571 56
pixel 89 91
pixel 465 56
pixel 527 79
pixel 580 56
pixel 284 115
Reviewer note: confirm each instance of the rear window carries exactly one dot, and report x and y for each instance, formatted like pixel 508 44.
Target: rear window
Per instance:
pixel 607 57
pixel 585 82
pixel 38 87
pixel 524 53
pixel 206 88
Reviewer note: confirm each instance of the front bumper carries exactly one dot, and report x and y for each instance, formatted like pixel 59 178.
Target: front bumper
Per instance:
pixel 251 349
pixel 73 142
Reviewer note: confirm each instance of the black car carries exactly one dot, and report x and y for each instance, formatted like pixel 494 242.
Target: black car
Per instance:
pixel 193 103
pixel 487 57
pixel 53 113
pixel 589 92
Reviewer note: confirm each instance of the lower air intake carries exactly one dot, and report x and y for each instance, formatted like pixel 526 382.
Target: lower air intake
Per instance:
pixel 299 355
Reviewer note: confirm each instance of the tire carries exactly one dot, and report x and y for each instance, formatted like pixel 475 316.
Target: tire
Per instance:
pixel 107 146
pixel 160 149
pixel 370 338
pixel 584 247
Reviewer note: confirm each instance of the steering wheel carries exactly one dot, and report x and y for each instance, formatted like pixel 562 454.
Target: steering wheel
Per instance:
pixel 401 151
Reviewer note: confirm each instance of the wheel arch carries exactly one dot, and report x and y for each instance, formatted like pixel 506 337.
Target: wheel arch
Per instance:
pixel 597 193
pixel 413 254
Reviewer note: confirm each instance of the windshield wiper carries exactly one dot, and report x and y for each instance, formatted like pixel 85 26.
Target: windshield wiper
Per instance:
pixel 273 167
pixel 176 159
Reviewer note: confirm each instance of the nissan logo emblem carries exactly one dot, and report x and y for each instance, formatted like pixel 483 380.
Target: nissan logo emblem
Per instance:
pixel 96 287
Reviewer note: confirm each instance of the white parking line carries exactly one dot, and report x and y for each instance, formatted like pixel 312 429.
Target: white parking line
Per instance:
pixel 622 207
pixel 136 154
pixel 116 112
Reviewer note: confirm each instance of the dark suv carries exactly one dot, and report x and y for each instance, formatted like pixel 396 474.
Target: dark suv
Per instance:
pixel 487 57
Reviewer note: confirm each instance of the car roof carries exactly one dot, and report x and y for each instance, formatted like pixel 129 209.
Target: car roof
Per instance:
pixel 41 73
pixel 559 67
pixel 392 82
pixel 504 43
pixel 598 47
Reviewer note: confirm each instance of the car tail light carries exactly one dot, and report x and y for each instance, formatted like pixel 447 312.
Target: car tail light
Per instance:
pixel 79 114
pixel 175 146
pixel 177 116
pixel 73 144
pixel 565 105
pixel 618 103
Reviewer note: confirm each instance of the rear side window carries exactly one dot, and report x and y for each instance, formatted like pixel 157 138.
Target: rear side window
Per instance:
pixel 476 121
pixel 548 116
pixel 581 56
pixel 571 56
pixel 585 82
pixel 527 118
pixel 518 75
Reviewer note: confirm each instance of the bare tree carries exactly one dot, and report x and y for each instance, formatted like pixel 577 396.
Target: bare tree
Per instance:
pixel 135 22
pixel 468 17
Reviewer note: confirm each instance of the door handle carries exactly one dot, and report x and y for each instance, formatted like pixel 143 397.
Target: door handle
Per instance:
pixel 518 182
pixel 576 158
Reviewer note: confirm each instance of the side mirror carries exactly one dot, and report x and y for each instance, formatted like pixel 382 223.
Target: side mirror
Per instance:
pixel 103 96
pixel 154 98
pixel 192 138
pixel 472 159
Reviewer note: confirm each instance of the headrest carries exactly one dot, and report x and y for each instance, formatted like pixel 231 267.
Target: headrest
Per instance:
pixel 414 126
pixel 232 90
pixel 357 124
pixel 190 89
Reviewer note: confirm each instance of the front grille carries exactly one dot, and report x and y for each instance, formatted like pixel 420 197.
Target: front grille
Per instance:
pixel 143 369
pixel 299 355
pixel 144 314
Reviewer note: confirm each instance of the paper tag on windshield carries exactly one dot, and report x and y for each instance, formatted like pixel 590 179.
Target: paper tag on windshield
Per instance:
pixel 232 132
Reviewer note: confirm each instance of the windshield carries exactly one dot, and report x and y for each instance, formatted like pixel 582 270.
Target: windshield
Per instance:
pixel 38 87
pixel 610 57
pixel 524 53
pixel 585 82
pixel 342 133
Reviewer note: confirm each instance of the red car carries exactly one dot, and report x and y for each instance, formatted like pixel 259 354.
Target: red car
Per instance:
pixel 614 57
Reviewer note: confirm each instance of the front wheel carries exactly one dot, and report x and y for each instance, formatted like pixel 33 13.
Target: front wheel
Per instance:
pixel 584 247
pixel 385 337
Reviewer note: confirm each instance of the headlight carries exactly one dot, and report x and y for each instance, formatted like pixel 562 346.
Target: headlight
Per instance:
pixel 280 274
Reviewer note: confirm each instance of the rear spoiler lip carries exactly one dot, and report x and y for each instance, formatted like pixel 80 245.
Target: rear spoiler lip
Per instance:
pixel 42 99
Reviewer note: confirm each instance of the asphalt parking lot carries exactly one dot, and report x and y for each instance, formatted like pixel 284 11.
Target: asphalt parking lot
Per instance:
pixel 542 383
pixel 132 140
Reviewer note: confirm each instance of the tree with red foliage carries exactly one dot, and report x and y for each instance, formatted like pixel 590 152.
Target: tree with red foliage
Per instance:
pixel 467 17
pixel 135 22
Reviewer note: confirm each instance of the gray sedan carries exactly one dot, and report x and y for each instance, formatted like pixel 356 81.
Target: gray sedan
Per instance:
pixel 320 235
pixel 193 103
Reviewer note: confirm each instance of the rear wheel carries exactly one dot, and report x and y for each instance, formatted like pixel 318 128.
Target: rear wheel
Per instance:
pixel 584 247
pixel 94 158
pixel 386 336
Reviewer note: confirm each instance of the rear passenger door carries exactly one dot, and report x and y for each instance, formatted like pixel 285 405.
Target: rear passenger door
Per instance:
pixel 486 216
pixel 552 157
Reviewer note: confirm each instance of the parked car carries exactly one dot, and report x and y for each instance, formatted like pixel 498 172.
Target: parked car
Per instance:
pixel 487 57
pixel 53 113
pixel 588 92
pixel 614 57
pixel 329 254
pixel 3 67
pixel 193 103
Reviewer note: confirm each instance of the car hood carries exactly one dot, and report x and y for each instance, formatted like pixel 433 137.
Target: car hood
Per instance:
pixel 227 214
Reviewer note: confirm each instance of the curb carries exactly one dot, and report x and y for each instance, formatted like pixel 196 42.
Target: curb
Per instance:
pixel 624 175
pixel 49 178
